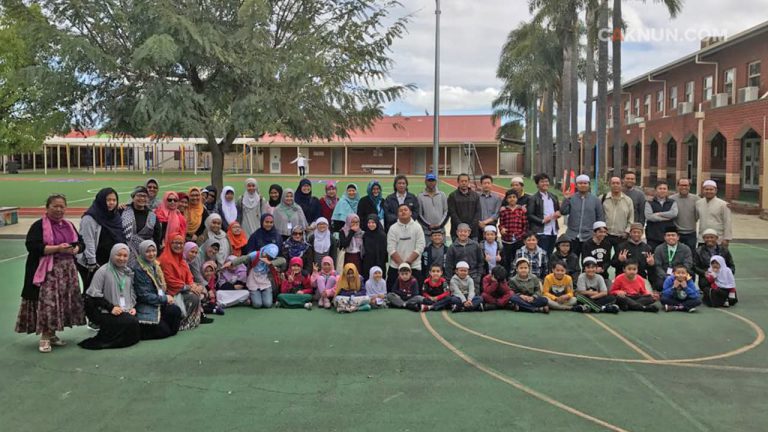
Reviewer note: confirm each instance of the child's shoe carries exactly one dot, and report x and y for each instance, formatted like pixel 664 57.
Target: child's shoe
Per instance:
pixel 308 306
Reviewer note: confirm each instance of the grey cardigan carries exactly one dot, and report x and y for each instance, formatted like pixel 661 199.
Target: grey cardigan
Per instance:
pixel 90 230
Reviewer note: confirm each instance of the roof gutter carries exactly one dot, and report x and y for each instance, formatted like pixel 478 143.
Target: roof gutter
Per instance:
pixel 664 98
pixel 715 78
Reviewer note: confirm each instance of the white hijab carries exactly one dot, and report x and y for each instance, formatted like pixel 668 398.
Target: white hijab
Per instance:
pixel 723 278
pixel 322 239
pixel 229 208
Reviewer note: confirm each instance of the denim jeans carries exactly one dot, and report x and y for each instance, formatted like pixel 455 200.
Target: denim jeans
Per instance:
pixel 538 302
pixel 261 298
pixel 456 301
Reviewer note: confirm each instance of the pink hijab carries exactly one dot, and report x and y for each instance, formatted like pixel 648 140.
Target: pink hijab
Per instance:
pixel 177 224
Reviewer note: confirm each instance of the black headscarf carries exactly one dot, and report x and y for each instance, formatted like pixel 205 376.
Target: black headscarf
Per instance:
pixel 108 220
pixel 279 189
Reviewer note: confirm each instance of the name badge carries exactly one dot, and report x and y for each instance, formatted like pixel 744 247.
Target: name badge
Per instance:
pixel 290 226
pixel 122 302
pixel 669 271
pixel 160 293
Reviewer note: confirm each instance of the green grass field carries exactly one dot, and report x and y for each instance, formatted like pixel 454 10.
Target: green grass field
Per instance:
pixel 289 370
pixel 31 189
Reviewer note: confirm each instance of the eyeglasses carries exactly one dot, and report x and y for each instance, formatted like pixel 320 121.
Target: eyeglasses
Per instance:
pixel 170 200
pixel 151 187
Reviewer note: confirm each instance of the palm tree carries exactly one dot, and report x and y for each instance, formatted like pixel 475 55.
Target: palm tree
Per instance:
pixel 673 7
pixel 602 90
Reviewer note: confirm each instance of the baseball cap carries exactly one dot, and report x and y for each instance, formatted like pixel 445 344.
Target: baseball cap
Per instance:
pixel 430 176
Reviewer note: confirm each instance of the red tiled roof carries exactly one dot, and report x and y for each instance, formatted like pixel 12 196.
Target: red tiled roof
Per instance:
pixel 402 129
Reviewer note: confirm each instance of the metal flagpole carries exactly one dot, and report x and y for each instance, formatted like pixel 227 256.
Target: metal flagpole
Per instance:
pixel 436 137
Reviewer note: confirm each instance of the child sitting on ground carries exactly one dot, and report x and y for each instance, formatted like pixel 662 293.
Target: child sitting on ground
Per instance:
pixel 350 295
pixel 558 289
pixel 591 291
pixel 462 286
pixel 405 291
pixel 680 293
pixel 324 282
pixel 563 253
pixel 296 290
pixel 211 306
pixel 496 292
pixel 435 290
pixel 721 288
pixel 264 278
pixel 231 286
pixel 491 248
pixel 376 288
pixel 527 289
pixel 630 291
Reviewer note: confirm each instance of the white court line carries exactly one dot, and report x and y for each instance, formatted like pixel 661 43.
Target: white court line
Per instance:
pixel 125 192
pixel 11 259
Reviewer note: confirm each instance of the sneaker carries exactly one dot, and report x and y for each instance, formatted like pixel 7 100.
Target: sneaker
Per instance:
pixel 544 310
pixel 612 308
pixel 667 308
pixel 651 308
pixel 308 306
pixel 454 308
pixel 424 308
pixel 578 308
pixel 206 320
pixel 726 304
pixel 481 307
pixel 692 310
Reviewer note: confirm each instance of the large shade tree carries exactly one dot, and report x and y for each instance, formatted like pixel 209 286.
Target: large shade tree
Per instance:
pixel 221 69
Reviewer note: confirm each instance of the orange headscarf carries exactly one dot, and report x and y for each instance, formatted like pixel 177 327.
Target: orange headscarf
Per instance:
pixel 175 268
pixel 236 242
pixel 194 213
pixel 342 282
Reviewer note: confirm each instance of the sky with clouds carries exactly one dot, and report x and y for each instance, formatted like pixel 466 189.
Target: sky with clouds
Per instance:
pixel 473 32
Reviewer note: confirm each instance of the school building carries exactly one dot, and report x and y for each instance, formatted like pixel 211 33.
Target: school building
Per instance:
pixel 702 116
pixel 393 145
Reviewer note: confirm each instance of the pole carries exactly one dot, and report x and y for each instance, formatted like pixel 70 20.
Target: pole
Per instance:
pixel 251 158
pixel 69 168
pixel 194 154
pixel 436 137
pixel 45 159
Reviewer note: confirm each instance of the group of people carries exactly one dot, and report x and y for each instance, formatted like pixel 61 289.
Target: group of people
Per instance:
pixel 162 263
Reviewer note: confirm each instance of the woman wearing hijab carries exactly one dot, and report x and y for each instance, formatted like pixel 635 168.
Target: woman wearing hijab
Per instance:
pixel 329 201
pixel 288 215
pixel 139 223
pixel 263 236
pixel 181 285
pixel 209 200
pixel 111 303
pixel 323 242
pixel 207 252
pixel 191 256
pixel 373 203
pixel 154 190
pixel 720 288
pixel 171 220
pixel 158 317
pixel 351 240
pixel 296 247
pixel 309 204
pixel 101 228
pixel 350 293
pixel 196 214
pixel 237 239
pixel 50 299
pixel 374 245
pixel 264 278
pixel 215 233
pixel 275 198
pixel 250 207
pixel 227 207
pixel 346 206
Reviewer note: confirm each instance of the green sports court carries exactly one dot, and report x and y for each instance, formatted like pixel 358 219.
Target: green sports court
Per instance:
pixel 389 370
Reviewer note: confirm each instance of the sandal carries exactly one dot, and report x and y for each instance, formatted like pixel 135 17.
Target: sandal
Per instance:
pixel 56 341
pixel 45 346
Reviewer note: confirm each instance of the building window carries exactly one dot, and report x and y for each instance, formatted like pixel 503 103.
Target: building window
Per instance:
pixel 647 105
pixel 689 86
pixel 707 88
pixel 626 110
pixel 728 87
pixel 753 74
pixel 673 97
pixel 637 107
pixel 660 101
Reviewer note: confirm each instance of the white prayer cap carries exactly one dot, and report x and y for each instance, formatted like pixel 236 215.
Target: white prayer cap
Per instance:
pixel 583 178
pixel 709 183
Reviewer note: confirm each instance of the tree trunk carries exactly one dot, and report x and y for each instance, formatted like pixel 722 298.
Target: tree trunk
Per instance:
pixel 573 148
pixel 564 109
pixel 218 150
pixel 617 35
pixel 602 91
pixel 545 131
pixel 557 145
pixel 528 141
pixel 589 77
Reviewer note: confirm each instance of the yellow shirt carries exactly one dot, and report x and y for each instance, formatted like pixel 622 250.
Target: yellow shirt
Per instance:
pixel 554 288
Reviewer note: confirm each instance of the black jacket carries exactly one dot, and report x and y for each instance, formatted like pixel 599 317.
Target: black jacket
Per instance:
pixel 464 209
pixel 635 252
pixel 390 208
pixel 536 212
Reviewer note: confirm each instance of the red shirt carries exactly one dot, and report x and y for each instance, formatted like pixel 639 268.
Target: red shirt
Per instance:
pixel 633 288
pixel 515 221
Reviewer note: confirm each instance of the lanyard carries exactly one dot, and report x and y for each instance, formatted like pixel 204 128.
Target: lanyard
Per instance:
pixel 671 254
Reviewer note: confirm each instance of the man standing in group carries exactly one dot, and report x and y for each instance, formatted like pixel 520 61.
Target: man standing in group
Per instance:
pixel 463 206
pixel 686 213
pixel 660 214
pixel 518 186
pixel 405 244
pixel 397 198
pixel 543 213
pixel 490 203
pixel 714 214
pixel 636 194
pixel 433 207
pixel 619 214
pixel 583 210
